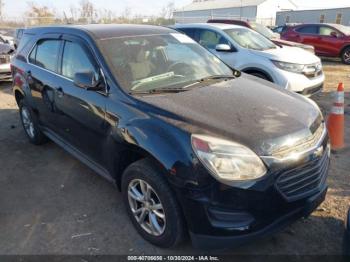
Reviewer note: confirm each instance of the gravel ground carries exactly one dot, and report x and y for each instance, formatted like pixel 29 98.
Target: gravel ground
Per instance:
pixel 52 204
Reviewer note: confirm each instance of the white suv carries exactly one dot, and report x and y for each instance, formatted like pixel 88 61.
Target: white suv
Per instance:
pixel 242 48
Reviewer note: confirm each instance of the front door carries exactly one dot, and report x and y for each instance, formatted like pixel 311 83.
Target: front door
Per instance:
pixel 81 112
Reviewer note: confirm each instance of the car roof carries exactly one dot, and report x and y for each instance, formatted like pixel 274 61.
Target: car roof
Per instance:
pixel 103 31
pixel 209 26
pixel 318 24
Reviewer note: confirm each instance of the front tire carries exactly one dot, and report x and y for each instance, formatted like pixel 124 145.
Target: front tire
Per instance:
pixel 30 124
pixel 345 56
pixel 151 205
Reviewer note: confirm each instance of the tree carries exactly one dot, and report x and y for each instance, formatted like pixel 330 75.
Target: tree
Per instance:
pixel 1 7
pixel 87 11
pixel 39 14
pixel 167 10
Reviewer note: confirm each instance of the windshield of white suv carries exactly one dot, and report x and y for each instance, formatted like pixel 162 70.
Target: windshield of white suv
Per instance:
pixel 249 39
pixel 160 62
pixel 262 30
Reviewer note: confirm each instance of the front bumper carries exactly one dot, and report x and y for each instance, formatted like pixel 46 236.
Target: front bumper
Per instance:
pixel 221 216
pixel 220 242
pixel 298 82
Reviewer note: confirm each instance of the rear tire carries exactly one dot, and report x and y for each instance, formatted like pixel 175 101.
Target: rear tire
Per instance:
pixel 139 178
pixel 345 56
pixel 30 124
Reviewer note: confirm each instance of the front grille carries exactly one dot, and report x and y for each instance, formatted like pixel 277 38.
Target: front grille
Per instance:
pixel 5 59
pixel 304 180
pixel 312 90
pixel 301 145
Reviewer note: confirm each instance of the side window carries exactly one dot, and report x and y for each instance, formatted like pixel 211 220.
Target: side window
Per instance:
pixel 327 31
pixel 46 54
pixel 75 60
pixel 188 31
pixel 209 39
pixel 307 29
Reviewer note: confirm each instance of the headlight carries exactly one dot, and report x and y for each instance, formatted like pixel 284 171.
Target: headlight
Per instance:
pixel 227 160
pixel 295 68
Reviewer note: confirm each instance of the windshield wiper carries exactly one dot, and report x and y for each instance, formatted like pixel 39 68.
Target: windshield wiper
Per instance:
pixel 158 91
pixel 217 77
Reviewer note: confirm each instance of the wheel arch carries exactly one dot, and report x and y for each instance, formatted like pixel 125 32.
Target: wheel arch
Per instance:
pixel 250 70
pixel 343 48
pixel 129 156
pixel 19 95
pixel 168 150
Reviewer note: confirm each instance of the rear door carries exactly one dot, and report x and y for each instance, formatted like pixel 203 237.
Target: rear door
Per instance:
pixel 82 112
pixel 42 77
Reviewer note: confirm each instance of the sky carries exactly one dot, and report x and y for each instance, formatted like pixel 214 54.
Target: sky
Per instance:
pixel 16 8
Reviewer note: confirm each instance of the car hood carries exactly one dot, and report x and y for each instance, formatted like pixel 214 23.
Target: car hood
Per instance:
pixel 247 110
pixel 289 43
pixel 289 55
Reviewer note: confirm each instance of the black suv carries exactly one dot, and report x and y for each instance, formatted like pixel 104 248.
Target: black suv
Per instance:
pixel 193 145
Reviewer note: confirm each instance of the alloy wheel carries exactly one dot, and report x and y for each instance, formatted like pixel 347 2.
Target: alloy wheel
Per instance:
pixel 346 56
pixel 28 122
pixel 146 207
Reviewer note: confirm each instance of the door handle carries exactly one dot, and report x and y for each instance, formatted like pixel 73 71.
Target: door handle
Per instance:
pixel 60 92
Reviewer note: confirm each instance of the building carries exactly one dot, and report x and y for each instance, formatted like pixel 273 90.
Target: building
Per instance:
pixel 262 11
pixel 334 15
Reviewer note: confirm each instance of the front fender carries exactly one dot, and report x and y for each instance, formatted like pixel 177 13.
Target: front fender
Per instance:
pixel 167 144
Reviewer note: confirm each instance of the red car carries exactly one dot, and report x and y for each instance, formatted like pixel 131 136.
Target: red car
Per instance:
pixel 274 37
pixel 330 40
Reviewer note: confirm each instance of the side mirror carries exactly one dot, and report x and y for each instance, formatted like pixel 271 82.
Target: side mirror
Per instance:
pixel 223 48
pixel 87 81
pixel 334 34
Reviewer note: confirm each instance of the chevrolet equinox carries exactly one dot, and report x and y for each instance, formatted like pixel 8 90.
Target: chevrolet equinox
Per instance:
pixel 194 146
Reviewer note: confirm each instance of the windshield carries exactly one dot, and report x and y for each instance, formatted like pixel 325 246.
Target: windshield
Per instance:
pixel 151 62
pixel 342 28
pixel 250 39
pixel 262 30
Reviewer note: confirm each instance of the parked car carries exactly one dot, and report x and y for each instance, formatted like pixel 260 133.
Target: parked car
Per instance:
pixel 6 54
pixel 244 49
pixel 329 40
pixel 268 33
pixel 346 245
pixel 6 40
pixel 283 28
pixel 18 35
pixel 191 144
